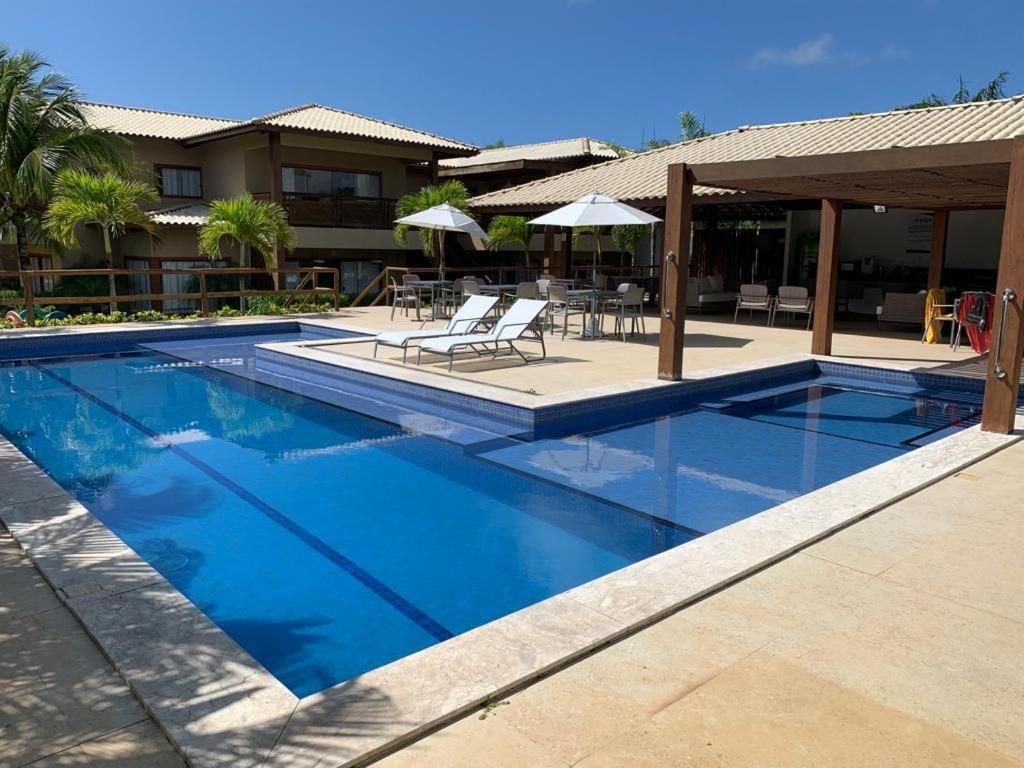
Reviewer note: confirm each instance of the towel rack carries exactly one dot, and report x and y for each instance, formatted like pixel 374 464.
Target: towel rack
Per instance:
pixel 998 370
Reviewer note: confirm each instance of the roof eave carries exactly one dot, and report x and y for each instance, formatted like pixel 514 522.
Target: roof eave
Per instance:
pixel 441 151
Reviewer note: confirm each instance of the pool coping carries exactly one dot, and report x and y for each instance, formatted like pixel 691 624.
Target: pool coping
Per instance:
pixel 219 706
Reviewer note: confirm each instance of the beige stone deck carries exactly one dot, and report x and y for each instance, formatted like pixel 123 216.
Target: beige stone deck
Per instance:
pixel 896 642
pixel 61 703
pixel 711 342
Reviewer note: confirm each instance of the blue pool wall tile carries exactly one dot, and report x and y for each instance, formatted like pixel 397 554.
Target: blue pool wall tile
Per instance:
pixel 40 345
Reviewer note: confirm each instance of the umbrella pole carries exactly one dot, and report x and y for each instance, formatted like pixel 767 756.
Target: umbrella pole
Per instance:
pixel 440 249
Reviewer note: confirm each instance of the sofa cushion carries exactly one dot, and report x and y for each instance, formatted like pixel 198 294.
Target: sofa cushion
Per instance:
pixel 718 297
pixel 715 283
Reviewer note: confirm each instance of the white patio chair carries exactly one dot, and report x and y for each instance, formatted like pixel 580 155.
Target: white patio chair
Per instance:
pixel 523 291
pixel 754 297
pixel 629 305
pixel 561 306
pixel 522 320
pixel 795 300
pixel 403 296
pixel 469 315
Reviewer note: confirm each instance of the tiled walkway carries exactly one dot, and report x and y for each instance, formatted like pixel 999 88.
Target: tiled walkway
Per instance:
pixel 61 703
pixel 896 642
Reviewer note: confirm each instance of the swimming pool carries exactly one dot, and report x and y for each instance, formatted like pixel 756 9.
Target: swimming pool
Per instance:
pixel 328 543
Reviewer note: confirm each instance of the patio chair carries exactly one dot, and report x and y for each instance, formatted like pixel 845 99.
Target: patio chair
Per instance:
pixel 560 305
pixel 404 296
pixel 793 300
pixel 523 291
pixel 465 320
pixel 629 305
pixel 521 320
pixel 754 297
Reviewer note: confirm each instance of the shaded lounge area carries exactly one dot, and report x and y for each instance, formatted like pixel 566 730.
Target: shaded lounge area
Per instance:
pixel 941 178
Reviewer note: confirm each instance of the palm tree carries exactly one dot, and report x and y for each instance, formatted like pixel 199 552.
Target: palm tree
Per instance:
pixel 42 132
pixel 258 224
pixel 512 230
pixel 627 237
pixel 107 201
pixel 452 192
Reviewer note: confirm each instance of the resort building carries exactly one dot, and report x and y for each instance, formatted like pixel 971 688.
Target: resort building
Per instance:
pixel 338 174
pixel 502 167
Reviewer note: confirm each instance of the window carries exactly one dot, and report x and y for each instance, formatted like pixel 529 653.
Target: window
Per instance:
pixel 321 182
pixel 177 181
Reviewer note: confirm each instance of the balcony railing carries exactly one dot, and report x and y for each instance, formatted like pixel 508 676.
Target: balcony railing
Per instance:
pixel 346 212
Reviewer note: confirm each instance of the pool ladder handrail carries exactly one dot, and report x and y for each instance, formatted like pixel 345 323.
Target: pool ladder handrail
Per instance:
pixel 998 370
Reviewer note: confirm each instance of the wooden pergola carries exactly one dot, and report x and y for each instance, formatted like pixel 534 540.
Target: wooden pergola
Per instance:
pixel 944 178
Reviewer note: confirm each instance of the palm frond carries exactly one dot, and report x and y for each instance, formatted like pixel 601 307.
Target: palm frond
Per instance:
pixel 452 192
pixel 106 200
pixel 260 224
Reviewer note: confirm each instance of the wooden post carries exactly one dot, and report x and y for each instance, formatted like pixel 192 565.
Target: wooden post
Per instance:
pixel 274 159
pixel 549 250
pixel 675 269
pixel 940 228
pixel 1000 403
pixel 204 303
pixel 566 260
pixel 433 168
pixel 828 272
pixel 30 304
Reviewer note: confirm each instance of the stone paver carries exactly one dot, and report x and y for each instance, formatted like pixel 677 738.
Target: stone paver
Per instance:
pixel 896 642
pixel 61 703
pixel 710 343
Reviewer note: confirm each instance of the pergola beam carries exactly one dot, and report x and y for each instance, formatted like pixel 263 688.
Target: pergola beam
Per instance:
pixel 675 270
pixel 1001 394
pixel 732 174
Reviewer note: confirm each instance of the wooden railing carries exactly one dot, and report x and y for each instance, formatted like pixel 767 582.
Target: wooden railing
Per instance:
pixel 311 277
pixel 337 212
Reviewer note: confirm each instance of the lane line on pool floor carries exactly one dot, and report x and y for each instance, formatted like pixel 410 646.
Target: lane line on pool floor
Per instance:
pixel 382 590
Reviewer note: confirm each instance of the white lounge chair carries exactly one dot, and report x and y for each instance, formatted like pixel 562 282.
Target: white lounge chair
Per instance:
pixel 522 318
pixel 754 297
pixel 465 320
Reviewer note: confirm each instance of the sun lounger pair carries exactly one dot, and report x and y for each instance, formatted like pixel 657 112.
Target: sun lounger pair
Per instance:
pixel 521 321
pixel 470 314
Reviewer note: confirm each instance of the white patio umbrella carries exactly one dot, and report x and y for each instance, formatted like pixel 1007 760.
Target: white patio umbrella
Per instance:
pixel 595 210
pixel 445 218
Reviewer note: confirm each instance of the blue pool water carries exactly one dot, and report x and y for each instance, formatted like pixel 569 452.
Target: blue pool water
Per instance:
pixel 327 543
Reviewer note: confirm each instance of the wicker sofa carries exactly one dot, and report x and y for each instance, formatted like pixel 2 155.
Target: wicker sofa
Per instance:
pixel 708 292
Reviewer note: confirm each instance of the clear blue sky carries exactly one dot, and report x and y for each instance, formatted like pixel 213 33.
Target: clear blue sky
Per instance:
pixel 528 70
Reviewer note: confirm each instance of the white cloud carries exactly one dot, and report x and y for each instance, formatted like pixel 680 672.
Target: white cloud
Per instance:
pixel 816 51
pixel 893 52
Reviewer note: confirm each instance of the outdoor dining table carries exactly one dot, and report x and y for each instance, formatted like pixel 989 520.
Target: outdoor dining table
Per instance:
pixel 594 330
pixel 436 288
pixel 496 289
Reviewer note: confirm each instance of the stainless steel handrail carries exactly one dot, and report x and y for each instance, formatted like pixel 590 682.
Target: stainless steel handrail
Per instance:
pixel 998 370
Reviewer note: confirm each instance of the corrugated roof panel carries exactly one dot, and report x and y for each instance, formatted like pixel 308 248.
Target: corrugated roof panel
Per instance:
pixel 546 150
pixel 134 121
pixel 642 176
pixel 315 117
pixel 188 215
